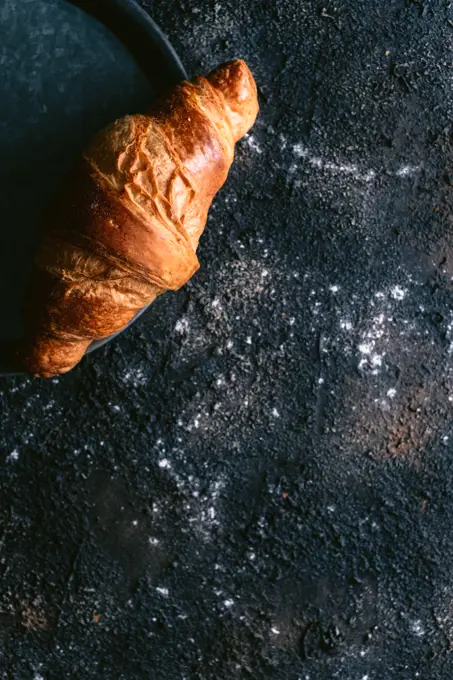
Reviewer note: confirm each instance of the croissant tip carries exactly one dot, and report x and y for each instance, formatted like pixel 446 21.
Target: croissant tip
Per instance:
pixel 235 80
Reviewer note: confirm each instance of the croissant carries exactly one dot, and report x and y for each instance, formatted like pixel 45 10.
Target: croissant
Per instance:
pixel 125 225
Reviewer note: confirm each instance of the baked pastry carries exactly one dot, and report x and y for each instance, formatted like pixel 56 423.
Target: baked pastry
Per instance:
pixel 125 225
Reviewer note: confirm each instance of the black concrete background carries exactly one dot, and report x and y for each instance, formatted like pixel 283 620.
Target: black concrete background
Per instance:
pixel 256 480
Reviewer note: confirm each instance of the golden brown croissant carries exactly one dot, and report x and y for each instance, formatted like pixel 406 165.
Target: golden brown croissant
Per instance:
pixel 126 223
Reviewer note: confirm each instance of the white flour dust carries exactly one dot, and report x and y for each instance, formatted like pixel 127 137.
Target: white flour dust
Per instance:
pixel 135 377
pixel 201 501
pixel 251 141
pixel 13 456
pixel 335 168
pixel 378 332
pixel 353 170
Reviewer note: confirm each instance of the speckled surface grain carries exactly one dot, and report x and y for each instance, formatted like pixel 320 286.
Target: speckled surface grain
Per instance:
pixel 256 480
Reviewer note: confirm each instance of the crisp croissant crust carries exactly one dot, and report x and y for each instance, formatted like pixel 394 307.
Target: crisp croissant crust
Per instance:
pixel 126 222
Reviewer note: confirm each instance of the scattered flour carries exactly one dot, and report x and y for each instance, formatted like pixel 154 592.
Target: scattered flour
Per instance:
pixel 371 360
pixel 450 335
pixel 345 325
pixel 240 285
pixel 375 337
pixel 251 141
pixel 351 169
pixel 398 293
pixel 201 502
pixel 163 591
pixel 336 168
pixel 13 456
pixel 417 628
pixel 135 377
pixel 182 325
pixel 407 170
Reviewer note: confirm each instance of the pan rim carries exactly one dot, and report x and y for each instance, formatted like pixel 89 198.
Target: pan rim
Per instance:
pixel 146 43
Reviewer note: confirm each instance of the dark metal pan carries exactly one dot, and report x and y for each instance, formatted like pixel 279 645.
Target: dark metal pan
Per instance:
pixel 67 68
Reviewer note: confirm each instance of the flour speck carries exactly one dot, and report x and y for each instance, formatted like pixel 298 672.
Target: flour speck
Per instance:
pixel 13 456
pixel 182 326
pixel 345 325
pixel 252 143
pixel 163 591
pixel 398 293
pixel 365 347
pixel 417 628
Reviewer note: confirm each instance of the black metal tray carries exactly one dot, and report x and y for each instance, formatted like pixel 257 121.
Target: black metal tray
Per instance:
pixel 67 68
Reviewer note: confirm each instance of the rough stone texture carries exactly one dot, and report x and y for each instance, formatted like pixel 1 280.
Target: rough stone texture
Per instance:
pixel 256 480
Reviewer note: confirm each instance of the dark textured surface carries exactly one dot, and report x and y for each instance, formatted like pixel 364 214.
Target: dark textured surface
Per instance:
pixel 256 480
